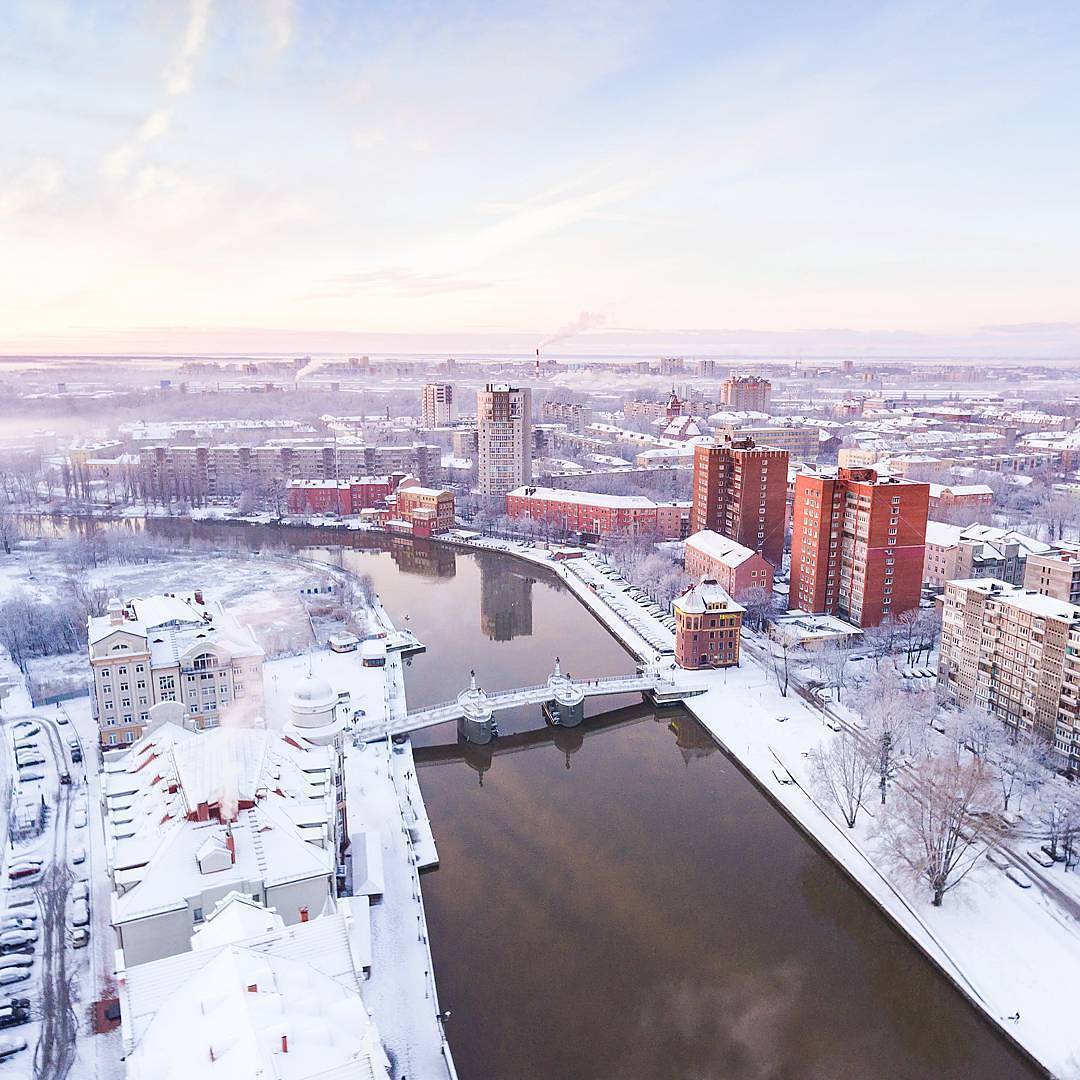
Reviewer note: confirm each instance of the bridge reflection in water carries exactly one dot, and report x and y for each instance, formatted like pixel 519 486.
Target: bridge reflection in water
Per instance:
pixel 690 737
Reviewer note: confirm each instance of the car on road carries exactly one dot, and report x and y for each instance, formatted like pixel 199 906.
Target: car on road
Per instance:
pixel 80 938
pixel 63 718
pixel 11 1047
pixel 14 975
pixel 80 914
pixel 76 750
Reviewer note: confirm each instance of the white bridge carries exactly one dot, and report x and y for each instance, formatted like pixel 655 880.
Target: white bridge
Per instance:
pixel 473 708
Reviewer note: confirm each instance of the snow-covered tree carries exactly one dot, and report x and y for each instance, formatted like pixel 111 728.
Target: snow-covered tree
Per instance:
pixel 843 772
pixel 939 825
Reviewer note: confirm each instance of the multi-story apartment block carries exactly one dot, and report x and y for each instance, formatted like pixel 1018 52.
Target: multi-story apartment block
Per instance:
pixel 857 544
pixel 801 441
pixel 504 438
pixel 170 648
pixel 1055 573
pixel 437 405
pixel 225 471
pixel 708 627
pixel 600 515
pixel 978 551
pixel 746 393
pixel 740 490
pixel 1016 653
pixel 736 569
pixel 573 414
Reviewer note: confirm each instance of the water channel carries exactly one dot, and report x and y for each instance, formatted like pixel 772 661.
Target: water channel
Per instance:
pixel 620 902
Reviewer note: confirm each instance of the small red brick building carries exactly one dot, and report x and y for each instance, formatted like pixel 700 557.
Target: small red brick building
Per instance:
pixel 343 497
pixel 733 567
pixel 708 627
pixel 600 515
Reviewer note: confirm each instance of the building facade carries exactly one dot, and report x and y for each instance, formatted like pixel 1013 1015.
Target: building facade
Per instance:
pixel 573 414
pixel 504 438
pixel 600 515
pixel 1017 654
pixel 801 441
pixel 428 510
pixel 740 490
pixel 857 544
pixel 746 393
pixel 1055 574
pixel 437 405
pixel 170 648
pixel 342 497
pixel 708 625
pixel 977 551
pixel 735 568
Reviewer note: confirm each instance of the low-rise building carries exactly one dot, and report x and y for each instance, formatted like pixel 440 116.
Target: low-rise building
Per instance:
pixel 192 816
pixel 1016 653
pixel 708 627
pixel 342 497
pixel 732 566
pixel 968 498
pixel 428 510
pixel 600 515
pixel 174 647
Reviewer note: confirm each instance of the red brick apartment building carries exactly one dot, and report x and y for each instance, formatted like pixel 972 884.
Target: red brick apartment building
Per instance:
pixel 857 544
pixel 600 515
pixel 342 497
pixel 740 490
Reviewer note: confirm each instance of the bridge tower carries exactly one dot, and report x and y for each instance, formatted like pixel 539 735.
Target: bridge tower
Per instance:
pixel 566 706
pixel 477 723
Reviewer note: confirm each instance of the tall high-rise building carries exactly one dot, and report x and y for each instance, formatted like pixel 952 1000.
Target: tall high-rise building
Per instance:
pixel 857 544
pixel 503 437
pixel 740 490
pixel 746 393
pixel 437 405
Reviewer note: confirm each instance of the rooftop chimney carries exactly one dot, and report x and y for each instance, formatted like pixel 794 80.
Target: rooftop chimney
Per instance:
pixel 284 1044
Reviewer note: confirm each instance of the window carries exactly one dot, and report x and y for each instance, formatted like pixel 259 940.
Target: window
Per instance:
pixel 112 738
pixel 204 661
pixel 193 707
pixel 167 682
pixel 122 670
pixel 197 914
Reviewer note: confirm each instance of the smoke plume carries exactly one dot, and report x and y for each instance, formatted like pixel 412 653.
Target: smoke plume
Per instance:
pixel 587 320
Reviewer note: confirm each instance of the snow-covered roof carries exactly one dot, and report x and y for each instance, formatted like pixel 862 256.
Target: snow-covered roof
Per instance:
pixel 583 498
pixel 234 918
pixel 1027 599
pixel 938 490
pixel 719 547
pixel 250 1012
pixel 706 596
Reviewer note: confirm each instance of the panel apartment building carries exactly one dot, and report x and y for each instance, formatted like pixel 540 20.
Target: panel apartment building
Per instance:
pixel 857 544
pixel 740 491
pixel 746 393
pixel 227 471
pixel 437 405
pixel 1016 653
pixel 503 438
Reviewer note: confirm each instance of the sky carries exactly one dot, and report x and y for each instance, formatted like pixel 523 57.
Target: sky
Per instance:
pixel 223 175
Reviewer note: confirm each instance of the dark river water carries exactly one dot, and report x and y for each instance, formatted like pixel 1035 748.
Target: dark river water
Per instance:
pixel 619 902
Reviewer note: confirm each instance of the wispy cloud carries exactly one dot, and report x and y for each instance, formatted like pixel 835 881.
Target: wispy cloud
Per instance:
pixel 279 21
pixel 397 280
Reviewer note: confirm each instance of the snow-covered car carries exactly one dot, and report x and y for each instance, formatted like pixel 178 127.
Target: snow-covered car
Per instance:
pixel 80 890
pixel 1018 877
pixel 15 961
pixel 26 729
pixel 1041 858
pixel 14 1013
pixel 14 939
pixel 14 975
pixel 11 1047
pixel 63 719
pixel 20 871
pixel 80 938
pixel 80 913
pixel 78 856
pixel 26 776
pixel 17 922
pixel 80 819
pixel 26 758
pixel 26 744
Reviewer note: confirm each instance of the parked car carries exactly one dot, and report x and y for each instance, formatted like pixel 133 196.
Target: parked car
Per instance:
pixel 80 819
pixel 80 890
pixel 14 1014
pixel 27 758
pixel 19 871
pixel 15 962
pixel 14 975
pixel 28 744
pixel 80 938
pixel 12 939
pixel 63 718
pixel 78 856
pixel 26 729
pixel 76 755
pixel 28 775
pixel 11 1047
pixel 80 914
pixel 16 922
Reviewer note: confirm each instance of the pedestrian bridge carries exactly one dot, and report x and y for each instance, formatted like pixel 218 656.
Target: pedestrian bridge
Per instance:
pixel 561 696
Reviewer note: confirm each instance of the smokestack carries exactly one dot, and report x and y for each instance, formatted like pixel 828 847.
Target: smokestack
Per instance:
pixel 284 1044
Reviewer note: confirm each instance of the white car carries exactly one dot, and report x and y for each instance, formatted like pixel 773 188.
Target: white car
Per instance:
pixel 25 777
pixel 26 729
pixel 15 939
pixel 80 913
pixel 78 856
pixel 80 819
pixel 8 962
pixel 80 938
pixel 14 975
pixel 10 1047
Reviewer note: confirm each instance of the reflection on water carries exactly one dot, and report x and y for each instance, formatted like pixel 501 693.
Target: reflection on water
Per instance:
pixel 423 557
pixel 505 600
pixel 618 901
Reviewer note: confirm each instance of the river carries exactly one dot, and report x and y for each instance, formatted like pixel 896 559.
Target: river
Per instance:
pixel 620 902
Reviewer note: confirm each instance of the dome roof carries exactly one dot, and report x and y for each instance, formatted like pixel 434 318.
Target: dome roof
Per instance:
pixel 311 690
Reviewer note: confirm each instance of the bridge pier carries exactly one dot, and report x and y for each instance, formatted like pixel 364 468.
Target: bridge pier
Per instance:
pixel 566 706
pixel 477 721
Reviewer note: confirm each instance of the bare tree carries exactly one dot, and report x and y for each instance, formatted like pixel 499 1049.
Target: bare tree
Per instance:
pixel 843 771
pixel 832 657
pixel 760 604
pixel 781 642
pixel 938 828
pixel 887 713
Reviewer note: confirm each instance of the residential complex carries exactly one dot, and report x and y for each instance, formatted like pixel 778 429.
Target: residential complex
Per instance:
pixel 740 490
pixel 1055 573
pixel 857 544
pixel 437 405
pixel 1016 653
pixel 736 569
pixel 953 551
pixel 599 515
pixel 746 393
pixel 504 438
pixel 708 625
pixel 173 647
pixel 575 416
